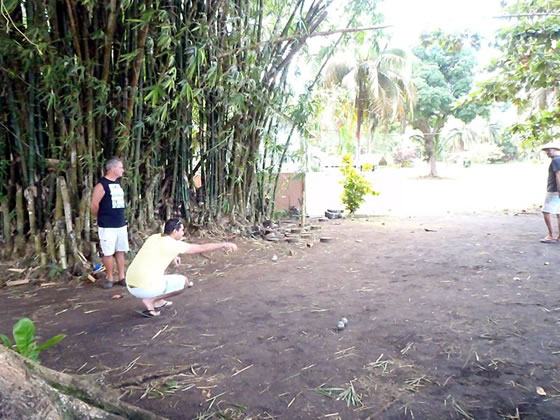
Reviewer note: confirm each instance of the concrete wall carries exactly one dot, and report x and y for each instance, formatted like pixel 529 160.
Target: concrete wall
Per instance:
pixel 405 191
pixel 290 191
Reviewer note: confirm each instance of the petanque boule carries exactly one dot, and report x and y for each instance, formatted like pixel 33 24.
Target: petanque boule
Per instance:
pixel 344 320
pixel 340 326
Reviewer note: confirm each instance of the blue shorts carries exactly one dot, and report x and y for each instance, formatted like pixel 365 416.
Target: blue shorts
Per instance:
pixel 551 203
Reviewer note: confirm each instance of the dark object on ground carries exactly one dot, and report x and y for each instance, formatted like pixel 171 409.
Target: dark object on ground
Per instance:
pixel 269 224
pixel 333 214
pixel 146 313
pixel 256 231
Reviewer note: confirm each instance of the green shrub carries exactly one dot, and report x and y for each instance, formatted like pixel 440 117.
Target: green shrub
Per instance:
pixel 356 186
pixel 25 343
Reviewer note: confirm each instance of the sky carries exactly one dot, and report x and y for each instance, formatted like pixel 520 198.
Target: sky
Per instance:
pixel 412 17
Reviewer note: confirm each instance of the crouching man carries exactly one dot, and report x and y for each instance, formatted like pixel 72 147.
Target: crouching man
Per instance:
pixel 145 276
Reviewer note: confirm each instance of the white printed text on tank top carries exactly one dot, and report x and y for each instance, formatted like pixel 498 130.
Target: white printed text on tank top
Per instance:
pixel 117 196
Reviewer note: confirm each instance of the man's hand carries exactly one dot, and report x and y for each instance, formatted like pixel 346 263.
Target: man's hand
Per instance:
pixel 177 261
pixel 230 246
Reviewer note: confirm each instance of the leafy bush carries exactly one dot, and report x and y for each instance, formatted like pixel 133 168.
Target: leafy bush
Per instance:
pixel 509 150
pixel 404 153
pixel 485 153
pixel 25 343
pixel 356 187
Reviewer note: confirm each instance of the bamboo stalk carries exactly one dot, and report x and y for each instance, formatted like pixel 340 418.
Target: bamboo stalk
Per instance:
pixel 29 195
pixel 86 215
pixel 19 242
pixel 6 225
pixel 68 216
pixel 59 238
pixel 82 215
pixel 141 43
pixel 150 198
pixel 50 239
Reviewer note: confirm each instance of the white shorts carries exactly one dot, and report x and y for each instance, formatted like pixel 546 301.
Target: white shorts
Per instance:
pixel 551 203
pixel 171 283
pixel 113 240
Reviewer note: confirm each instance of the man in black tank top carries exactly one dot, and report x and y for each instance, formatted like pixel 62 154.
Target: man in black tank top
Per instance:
pixel 551 205
pixel 107 203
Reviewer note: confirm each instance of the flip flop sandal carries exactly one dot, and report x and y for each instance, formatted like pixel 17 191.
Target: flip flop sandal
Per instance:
pixel 548 241
pixel 147 313
pixel 165 305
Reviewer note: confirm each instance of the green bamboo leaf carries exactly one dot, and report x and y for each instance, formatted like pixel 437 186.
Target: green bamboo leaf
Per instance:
pixel 164 112
pixel 164 42
pixel 6 341
pixel 127 58
pixel 50 342
pixel 154 94
pixel 10 5
pixel 33 353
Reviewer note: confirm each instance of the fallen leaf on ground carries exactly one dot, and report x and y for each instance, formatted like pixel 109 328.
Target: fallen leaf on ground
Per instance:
pixel 116 297
pixel 541 391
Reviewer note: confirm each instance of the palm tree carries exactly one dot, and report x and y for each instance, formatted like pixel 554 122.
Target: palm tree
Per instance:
pixel 381 89
pixel 460 138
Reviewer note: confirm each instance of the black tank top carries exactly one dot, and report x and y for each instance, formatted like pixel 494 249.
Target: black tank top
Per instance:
pixel 111 206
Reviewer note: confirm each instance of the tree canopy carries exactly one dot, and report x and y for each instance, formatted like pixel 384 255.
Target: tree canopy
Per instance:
pixel 526 73
pixel 443 73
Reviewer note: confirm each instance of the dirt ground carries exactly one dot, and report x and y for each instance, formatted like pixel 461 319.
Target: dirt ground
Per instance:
pixel 449 316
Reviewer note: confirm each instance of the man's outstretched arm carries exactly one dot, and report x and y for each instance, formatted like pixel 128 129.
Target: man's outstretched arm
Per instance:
pixel 197 249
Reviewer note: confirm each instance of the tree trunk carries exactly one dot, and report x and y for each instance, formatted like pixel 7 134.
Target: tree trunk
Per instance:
pixel 433 169
pixel 430 145
pixel 31 391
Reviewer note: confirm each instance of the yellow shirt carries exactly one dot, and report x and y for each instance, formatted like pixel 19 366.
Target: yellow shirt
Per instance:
pixel 148 267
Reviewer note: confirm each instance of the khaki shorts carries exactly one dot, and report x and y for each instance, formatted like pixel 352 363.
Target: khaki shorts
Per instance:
pixel 113 240
pixel 170 283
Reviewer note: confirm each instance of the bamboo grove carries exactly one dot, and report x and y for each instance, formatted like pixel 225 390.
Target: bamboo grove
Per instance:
pixel 177 89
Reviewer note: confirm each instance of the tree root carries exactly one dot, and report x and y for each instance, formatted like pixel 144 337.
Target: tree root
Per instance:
pixel 31 391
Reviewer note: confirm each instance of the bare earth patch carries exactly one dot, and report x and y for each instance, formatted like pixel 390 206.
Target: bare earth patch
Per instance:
pixel 448 317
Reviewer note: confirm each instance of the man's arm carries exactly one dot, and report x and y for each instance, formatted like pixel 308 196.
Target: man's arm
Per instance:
pixel 558 182
pixel 197 249
pixel 96 196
